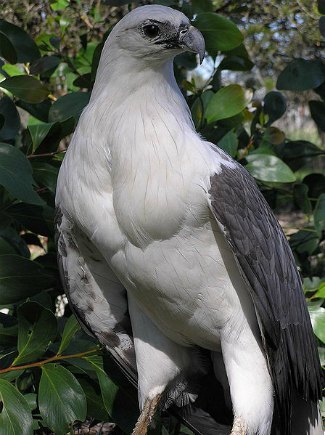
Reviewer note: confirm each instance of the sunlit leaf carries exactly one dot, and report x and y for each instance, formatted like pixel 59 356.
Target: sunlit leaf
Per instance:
pixel 227 102
pixel 27 88
pixel 269 168
pixel 317 315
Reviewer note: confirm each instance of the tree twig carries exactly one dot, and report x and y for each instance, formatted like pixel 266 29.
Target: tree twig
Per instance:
pixel 48 360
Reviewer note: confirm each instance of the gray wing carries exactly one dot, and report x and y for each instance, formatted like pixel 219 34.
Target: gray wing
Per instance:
pixel 268 267
pixel 96 296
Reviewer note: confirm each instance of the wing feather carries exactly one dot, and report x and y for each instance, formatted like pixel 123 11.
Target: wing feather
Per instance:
pixel 267 265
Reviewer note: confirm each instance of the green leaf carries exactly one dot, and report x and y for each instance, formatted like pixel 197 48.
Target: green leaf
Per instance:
pixel 37 328
pixel 322 26
pixel 16 174
pixel 61 399
pixel 317 111
pixel 70 329
pixel 321 6
pixel 300 148
pixel 274 136
pixel 37 219
pixel 31 399
pixel 27 88
pixel 114 398
pixel 40 131
pixel 269 168
pixel 300 195
pixel 229 143
pixel 44 65
pixel 8 330
pixel 20 278
pixel 236 60
pixel 304 242
pixel 59 5
pixel 227 102
pixel 317 315
pixel 202 6
pixel 46 175
pixel 70 105
pixel 108 388
pixel 39 110
pixel 7 50
pixel 25 47
pixel 275 106
pixel 319 214
pixel 301 75
pixel 11 125
pixel 95 405
pixel 320 293
pixel 220 34
pixel 15 415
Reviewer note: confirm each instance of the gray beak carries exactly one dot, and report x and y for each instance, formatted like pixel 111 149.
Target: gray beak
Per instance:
pixel 193 41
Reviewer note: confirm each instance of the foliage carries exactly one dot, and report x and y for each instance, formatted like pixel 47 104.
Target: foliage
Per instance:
pixel 51 374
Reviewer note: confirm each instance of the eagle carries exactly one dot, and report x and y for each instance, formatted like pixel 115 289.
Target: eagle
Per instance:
pixel 171 257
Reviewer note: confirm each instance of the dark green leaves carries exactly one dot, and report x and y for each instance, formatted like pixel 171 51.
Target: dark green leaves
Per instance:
pixel 317 111
pixel 11 120
pixel 227 102
pixel 220 34
pixel 70 329
pixel 114 397
pixel 301 75
pixel 269 168
pixel 20 278
pixel 16 174
pixel 319 214
pixel 275 106
pixel 321 6
pixel 15 415
pixel 61 399
pixel 27 88
pixel 70 105
pixel 16 45
pixel 36 329
pixel 229 143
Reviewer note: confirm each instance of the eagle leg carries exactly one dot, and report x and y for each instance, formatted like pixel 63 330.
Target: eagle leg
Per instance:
pixel 149 410
pixel 239 427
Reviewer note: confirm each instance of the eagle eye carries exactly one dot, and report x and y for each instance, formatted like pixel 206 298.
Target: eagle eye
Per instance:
pixel 151 30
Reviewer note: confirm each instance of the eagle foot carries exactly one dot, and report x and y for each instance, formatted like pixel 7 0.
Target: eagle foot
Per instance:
pixel 149 410
pixel 239 427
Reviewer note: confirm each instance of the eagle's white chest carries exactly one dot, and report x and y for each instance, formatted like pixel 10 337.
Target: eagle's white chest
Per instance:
pixel 148 214
pixel 170 258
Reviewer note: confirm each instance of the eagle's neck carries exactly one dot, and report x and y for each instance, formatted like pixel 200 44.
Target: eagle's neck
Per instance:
pixel 141 118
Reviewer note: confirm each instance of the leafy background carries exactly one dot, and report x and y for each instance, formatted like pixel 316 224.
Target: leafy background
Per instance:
pixel 264 63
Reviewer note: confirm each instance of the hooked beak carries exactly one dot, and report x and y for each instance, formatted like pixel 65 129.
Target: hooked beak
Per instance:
pixel 193 41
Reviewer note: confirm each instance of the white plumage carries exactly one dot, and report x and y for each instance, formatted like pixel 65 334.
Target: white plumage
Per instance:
pixel 135 212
